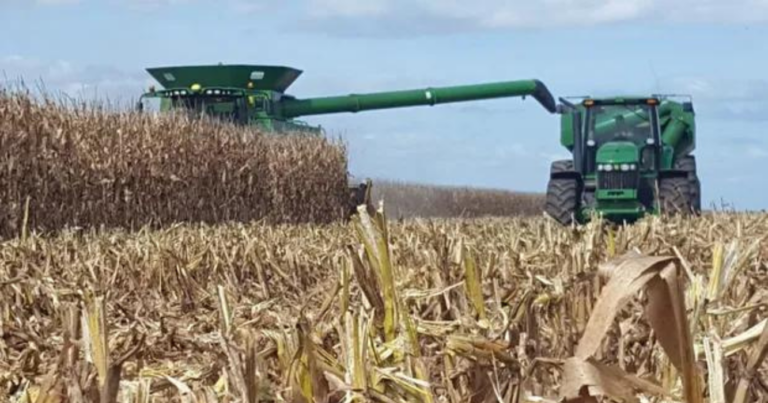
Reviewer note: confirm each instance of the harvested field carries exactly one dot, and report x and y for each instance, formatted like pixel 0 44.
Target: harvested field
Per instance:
pixel 407 200
pixel 82 166
pixel 447 310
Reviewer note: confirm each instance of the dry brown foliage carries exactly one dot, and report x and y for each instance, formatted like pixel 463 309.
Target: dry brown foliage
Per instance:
pixel 446 310
pixel 407 200
pixel 82 166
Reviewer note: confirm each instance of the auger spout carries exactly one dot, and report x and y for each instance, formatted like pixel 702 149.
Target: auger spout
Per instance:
pixel 354 103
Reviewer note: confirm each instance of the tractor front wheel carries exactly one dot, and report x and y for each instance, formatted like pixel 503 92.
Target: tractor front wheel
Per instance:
pixel 675 196
pixel 562 200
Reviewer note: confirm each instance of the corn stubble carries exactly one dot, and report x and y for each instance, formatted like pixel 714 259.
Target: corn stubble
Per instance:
pixel 409 200
pixel 69 165
pixel 668 310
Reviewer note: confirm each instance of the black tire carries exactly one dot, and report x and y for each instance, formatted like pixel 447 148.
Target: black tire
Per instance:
pixel 688 164
pixel 561 166
pixel 695 188
pixel 562 200
pixel 675 196
pixel 360 195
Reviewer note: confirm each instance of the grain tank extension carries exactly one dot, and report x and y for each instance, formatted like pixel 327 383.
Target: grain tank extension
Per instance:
pixel 255 95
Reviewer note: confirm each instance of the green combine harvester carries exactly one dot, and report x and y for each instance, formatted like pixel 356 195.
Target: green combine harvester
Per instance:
pixel 631 156
pixel 253 95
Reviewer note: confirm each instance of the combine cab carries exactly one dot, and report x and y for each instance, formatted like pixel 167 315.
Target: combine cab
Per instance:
pixel 255 95
pixel 631 157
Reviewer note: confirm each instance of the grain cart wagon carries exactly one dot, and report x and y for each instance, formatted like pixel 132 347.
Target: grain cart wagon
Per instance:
pixel 631 156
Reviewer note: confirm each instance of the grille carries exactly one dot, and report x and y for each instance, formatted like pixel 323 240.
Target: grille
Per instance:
pixel 618 180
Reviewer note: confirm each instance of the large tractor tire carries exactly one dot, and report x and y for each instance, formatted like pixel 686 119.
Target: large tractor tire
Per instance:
pixel 675 196
pixel 561 166
pixel 562 200
pixel 688 164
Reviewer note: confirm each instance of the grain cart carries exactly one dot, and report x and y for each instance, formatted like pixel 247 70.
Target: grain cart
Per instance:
pixel 631 156
pixel 256 96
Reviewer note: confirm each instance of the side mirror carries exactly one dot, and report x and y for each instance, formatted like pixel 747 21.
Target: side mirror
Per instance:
pixel 139 107
pixel 688 107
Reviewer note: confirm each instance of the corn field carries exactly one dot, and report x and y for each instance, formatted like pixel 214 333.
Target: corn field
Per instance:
pixel 69 165
pixel 408 200
pixel 483 310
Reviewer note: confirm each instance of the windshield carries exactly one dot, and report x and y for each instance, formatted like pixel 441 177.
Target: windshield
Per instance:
pixel 619 122
pixel 218 107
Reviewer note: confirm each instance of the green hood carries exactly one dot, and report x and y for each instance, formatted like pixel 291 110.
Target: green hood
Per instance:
pixel 618 152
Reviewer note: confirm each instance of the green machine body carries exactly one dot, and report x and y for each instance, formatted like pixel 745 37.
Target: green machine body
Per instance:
pixel 631 156
pixel 255 95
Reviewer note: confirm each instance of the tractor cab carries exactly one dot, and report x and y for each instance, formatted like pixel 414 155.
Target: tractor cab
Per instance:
pixel 227 106
pixel 620 135
pixel 626 160
pixel 622 149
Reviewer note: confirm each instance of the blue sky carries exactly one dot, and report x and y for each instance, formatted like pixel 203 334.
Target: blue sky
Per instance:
pixel 716 51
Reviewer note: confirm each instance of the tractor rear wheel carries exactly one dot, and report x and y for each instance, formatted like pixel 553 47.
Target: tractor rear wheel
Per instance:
pixel 688 164
pixel 675 196
pixel 561 166
pixel 360 195
pixel 562 200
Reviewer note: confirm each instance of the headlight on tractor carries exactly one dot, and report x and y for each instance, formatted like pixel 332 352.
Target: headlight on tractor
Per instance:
pixel 616 167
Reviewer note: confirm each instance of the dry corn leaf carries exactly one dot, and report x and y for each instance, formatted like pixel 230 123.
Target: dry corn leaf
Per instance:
pixel 756 358
pixel 584 377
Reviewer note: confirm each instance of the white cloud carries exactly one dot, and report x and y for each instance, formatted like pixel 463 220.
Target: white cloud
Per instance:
pixel 757 152
pixel 149 5
pixel 250 6
pixel 56 2
pixel 735 99
pixel 424 15
pixel 505 14
pixel 62 76
pixel 42 2
pixel 500 14
pixel 734 89
pixel 349 8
